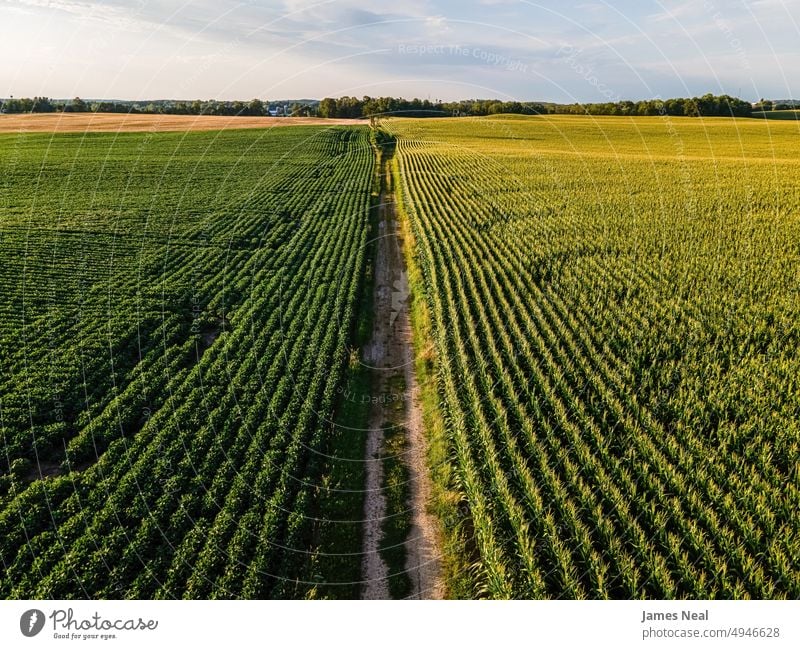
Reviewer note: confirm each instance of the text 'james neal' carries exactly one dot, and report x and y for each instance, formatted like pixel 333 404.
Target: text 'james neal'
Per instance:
pixel 647 616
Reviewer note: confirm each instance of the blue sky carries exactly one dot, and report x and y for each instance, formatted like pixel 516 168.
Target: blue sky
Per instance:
pixel 443 49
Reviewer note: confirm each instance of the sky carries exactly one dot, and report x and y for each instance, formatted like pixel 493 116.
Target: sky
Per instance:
pixel 560 51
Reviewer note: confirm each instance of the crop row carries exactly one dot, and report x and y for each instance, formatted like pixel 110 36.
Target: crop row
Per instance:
pixel 196 327
pixel 619 400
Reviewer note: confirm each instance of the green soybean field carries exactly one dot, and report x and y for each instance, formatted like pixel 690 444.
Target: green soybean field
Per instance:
pixel 176 311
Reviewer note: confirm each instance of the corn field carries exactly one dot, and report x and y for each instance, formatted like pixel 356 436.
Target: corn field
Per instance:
pixel 615 308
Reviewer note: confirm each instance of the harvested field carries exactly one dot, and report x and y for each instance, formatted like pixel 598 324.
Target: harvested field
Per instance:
pixel 110 122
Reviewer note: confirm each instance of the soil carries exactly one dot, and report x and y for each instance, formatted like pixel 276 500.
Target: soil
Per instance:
pixel 123 122
pixel 44 469
pixel 390 355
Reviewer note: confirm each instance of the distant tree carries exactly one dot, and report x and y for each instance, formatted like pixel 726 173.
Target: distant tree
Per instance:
pixel 299 110
pixel 327 108
pixel 77 105
pixel 8 105
pixel 690 108
pixel 735 107
pixel 675 106
pixel 349 107
pixel 255 108
pixel 42 105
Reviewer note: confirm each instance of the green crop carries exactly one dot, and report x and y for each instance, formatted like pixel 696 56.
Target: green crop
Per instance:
pixel 176 313
pixel 615 308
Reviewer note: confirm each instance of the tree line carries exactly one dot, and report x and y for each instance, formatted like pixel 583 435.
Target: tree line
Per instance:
pixel 706 106
pixel 252 108
pixel 354 108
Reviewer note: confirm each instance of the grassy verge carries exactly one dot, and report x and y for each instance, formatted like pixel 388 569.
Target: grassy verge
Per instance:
pixel 397 490
pixel 338 538
pixel 336 566
pixel 453 529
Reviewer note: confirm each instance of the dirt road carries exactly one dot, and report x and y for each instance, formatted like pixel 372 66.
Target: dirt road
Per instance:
pixel 390 355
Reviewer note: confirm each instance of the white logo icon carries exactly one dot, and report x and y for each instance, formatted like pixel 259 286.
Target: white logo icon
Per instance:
pixel 31 622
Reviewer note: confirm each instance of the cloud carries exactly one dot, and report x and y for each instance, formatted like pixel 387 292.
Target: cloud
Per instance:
pixel 120 16
pixel 313 47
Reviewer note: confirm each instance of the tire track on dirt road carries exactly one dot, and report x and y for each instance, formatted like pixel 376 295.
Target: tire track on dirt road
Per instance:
pixel 390 355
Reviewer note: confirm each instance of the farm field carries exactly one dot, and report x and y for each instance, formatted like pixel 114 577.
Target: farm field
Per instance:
pixel 614 311
pixel 778 114
pixel 207 386
pixel 132 122
pixel 176 311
